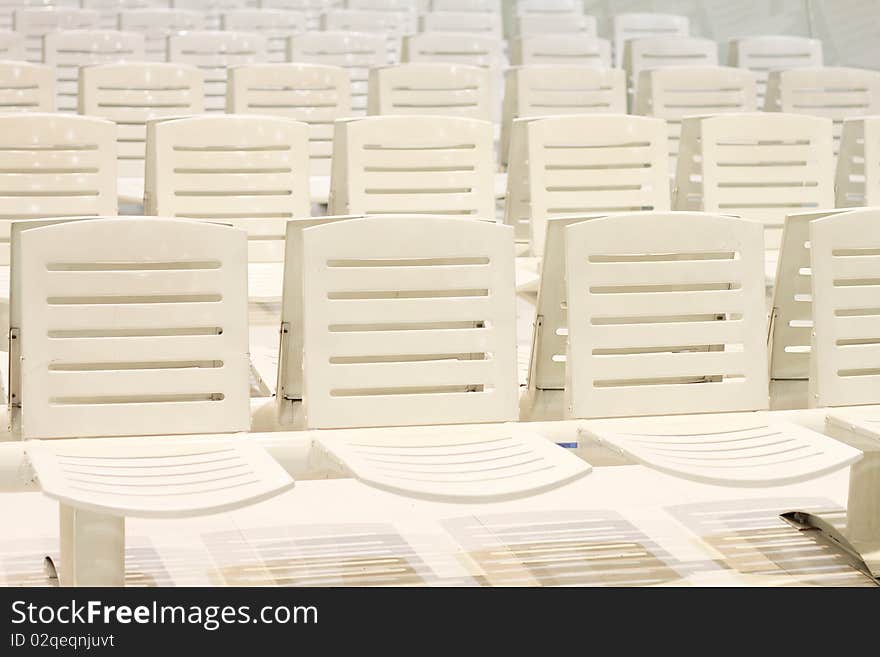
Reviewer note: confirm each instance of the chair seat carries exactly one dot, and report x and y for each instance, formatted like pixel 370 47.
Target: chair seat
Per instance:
pixel 454 464
pixel 743 450
pixel 159 477
pixel 862 420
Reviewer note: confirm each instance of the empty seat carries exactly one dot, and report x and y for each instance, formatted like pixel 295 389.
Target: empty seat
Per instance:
pixel 250 171
pixel 676 92
pixel 356 52
pixel 12 46
pixel 213 53
pixel 642 26
pixel 431 88
pixel 393 25
pixel 660 52
pixel 763 54
pixel 133 94
pixel 836 92
pixel 563 49
pixel 54 166
pixel 212 10
pixel 556 23
pixel 275 24
pixel 67 51
pixel 26 87
pixel 462 21
pixel 157 25
pixel 36 22
pixel 413 164
pixel 857 181
pixel 312 93
pixel 759 165
pixel 625 157
pixel 531 91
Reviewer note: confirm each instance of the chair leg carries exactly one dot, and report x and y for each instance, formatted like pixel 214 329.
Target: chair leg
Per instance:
pixel 92 548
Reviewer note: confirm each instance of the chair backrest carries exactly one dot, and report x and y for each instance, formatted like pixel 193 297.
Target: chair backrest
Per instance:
pixel 409 320
pixel 763 54
pixel 67 51
pixel 311 8
pixel 276 24
pixel 665 315
pixel 791 315
pixel 761 165
pixel 12 46
pixel 315 94
pixel 857 180
pixel 640 26
pixel 213 10
pixel 556 23
pixel 584 164
pixel 26 87
pixel 109 10
pixel 36 22
pixel 560 49
pixel 214 52
pixel 547 7
pixel 356 52
pixel 250 171
pixel 484 6
pixel 431 88
pixel 675 92
pixel 845 263
pixel 661 52
pixel 131 94
pixel 454 47
pixel 413 165
pixel 562 89
pixel 157 25
pixel 132 326
pixel 392 25
pixel 835 92
pixel 462 21
pixel 384 5
pixel 55 165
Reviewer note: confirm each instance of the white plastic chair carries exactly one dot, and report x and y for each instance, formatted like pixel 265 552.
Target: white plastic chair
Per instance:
pixel 276 24
pixel 67 51
pixel 676 92
pixel 36 22
pixel 312 93
pixel 462 21
pixel 414 165
pixel 213 53
pixel 356 52
pixel 531 91
pixel 761 165
pixel 26 87
pixel 835 92
pixel 642 26
pixel 625 158
pixel 55 165
pixel 436 298
pixel 212 10
pixel 857 181
pixel 431 88
pixel 157 25
pixel 12 46
pixel 133 94
pixel 392 25
pixel 661 52
pixel 763 54
pixel 108 348
pixel 562 49
pixel 666 317
pixel 249 171
pixel 556 23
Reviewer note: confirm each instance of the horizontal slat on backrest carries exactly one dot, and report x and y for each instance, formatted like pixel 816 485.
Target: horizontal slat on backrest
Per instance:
pixel 408 320
pixel 133 326
pixel 596 163
pixel 157 25
pixel 316 94
pixel 36 22
pixel 26 87
pixel 55 165
pixel 845 264
pixel 562 49
pixel 665 315
pixel 356 52
pixel 132 94
pixel 237 169
pixel 276 24
pixel 431 88
pixel 413 164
